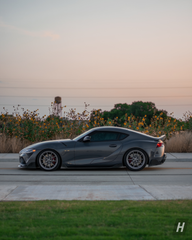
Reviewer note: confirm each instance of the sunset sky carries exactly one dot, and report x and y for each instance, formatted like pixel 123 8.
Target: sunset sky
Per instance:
pixel 101 52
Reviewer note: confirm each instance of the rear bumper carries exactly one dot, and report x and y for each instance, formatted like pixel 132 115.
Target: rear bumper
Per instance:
pixel 158 161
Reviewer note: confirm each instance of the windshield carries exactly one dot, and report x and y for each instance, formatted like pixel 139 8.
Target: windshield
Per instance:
pixel 82 135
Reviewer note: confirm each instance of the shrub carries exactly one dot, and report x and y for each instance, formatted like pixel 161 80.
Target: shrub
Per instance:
pixel 29 127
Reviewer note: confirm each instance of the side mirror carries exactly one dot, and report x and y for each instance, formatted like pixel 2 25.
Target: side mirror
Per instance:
pixel 86 139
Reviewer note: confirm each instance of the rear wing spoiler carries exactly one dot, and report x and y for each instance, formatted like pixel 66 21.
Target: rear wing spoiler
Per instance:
pixel 162 137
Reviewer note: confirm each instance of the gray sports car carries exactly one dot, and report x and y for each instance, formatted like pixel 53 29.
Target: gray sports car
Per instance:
pixel 98 147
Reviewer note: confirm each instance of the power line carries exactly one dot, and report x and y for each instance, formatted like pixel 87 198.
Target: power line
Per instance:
pixel 100 88
pixel 37 105
pixel 101 97
pixel 89 80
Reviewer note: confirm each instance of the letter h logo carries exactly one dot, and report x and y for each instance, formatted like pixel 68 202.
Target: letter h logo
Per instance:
pixel 180 227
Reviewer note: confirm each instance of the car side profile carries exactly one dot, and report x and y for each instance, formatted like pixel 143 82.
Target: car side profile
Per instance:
pixel 98 147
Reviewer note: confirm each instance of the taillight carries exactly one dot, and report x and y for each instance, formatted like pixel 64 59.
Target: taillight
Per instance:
pixel 159 144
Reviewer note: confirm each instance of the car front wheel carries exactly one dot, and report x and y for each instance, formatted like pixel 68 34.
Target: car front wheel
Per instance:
pixel 49 160
pixel 135 160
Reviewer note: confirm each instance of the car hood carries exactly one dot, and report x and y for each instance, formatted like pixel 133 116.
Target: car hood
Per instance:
pixel 50 143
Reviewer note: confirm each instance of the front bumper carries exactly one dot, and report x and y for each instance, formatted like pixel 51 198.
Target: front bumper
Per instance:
pixel 158 160
pixel 31 166
pixel 27 161
pixel 22 166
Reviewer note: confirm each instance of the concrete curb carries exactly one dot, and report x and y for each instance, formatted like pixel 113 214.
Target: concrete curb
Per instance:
pixel 102 192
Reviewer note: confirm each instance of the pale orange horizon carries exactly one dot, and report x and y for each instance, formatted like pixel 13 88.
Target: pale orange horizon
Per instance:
pixel 142 47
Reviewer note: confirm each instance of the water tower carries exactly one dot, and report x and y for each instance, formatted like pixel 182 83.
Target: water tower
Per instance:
pixel 57 108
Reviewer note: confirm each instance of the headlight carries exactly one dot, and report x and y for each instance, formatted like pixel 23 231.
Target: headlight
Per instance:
pixel 27 150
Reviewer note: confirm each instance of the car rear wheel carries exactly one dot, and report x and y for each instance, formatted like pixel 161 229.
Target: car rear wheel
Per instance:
pixel 49 160
pixel 135 160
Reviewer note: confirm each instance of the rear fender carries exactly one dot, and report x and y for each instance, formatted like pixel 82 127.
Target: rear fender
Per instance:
pixel 146 154
pixel 148 146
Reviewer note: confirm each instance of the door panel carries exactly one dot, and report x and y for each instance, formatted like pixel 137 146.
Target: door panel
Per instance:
pixel 87 153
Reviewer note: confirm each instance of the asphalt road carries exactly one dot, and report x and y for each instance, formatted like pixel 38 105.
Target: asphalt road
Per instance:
pixel 169 173
pixel 171 180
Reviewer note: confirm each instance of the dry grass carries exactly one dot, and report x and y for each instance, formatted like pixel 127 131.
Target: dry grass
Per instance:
pixel 14 145
pixel 180 142
pixel 11 145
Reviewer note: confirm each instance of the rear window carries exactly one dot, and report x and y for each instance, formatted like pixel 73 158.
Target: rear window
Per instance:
pixel 122 136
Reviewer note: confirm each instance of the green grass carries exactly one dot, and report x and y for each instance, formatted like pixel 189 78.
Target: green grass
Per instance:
pixel 94 220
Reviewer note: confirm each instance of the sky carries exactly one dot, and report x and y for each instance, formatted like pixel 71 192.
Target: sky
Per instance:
pixel 101 52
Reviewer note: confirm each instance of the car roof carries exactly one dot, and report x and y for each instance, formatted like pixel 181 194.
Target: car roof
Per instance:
pixel 111 128
pixel 124 130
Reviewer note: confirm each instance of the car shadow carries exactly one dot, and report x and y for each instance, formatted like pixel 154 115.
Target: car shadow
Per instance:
pixel 151 169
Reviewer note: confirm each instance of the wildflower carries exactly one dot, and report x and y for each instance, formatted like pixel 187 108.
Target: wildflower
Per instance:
pixel 137 128
pixel 124 123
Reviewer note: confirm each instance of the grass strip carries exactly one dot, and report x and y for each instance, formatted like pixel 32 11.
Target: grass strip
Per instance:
pixel 95 220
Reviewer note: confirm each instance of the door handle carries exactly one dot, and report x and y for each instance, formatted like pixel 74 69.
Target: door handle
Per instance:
pixel 113 145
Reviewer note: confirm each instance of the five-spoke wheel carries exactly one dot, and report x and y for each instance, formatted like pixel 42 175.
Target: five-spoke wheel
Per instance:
pixel 135 160
pixel 49 160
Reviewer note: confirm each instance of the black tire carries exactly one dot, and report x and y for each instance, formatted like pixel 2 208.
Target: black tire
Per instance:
pixel 135 159
pixel 49 160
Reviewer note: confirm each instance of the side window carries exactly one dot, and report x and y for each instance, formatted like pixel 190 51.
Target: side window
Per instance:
pixel 104 136
pixel 122 136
